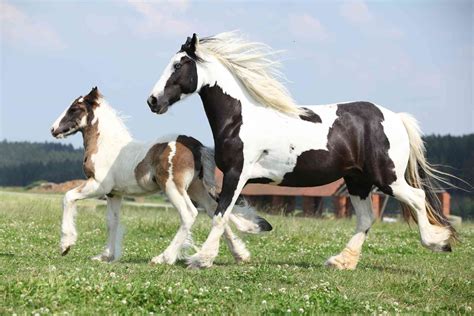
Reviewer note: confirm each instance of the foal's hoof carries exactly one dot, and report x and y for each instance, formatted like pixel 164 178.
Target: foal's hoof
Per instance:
pixel 447 248
pixel 65 251
pixel 162 259
pixel 242 258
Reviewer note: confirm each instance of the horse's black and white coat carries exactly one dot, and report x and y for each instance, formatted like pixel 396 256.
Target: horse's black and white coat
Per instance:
pixel 260 136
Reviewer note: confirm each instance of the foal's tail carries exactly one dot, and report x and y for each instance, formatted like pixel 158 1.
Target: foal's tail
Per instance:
pixel 419 174
pixel 243 216
pixel 208 170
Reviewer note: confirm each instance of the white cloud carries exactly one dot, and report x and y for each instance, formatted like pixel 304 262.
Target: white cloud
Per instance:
pixel 306 26
pixel 355 11
pixel 19 28
pixel 161 17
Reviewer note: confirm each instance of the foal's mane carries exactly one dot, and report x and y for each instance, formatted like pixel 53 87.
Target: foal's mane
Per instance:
pixel 255 65
pixel 111 119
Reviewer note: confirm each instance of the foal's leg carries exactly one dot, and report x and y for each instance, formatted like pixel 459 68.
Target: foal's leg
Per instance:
pixel 349 257
pixel 237 247
pixel 232 185
pixel 177 198
pixel 113 249
pixel 89 189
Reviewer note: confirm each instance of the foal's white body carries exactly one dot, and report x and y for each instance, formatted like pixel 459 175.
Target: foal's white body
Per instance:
pixel 114 162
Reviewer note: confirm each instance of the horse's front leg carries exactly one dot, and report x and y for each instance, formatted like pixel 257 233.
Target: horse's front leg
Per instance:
pixel 349 256
pixel 113 249
pixel 232 185
pixel 90 188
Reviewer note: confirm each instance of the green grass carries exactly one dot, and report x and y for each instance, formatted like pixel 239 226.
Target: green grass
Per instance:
pixel 395 275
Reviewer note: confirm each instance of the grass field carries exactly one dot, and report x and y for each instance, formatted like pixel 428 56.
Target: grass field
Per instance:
pixel 286 274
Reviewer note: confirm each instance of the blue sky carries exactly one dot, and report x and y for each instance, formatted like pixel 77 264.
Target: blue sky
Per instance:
pixel 411 56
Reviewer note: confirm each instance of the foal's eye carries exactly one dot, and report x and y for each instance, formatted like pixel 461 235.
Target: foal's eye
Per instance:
pixel 177 66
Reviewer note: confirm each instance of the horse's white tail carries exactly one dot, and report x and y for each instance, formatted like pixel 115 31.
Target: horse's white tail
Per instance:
pixel 243 216
pixel 419 173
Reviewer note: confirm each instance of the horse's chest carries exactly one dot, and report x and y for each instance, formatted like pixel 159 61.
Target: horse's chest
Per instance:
pixel 88 165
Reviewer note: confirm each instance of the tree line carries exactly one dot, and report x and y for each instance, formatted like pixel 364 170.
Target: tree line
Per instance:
pixel 22 163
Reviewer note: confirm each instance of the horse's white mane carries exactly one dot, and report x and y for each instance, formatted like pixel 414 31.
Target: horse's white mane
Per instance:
pixel 254 64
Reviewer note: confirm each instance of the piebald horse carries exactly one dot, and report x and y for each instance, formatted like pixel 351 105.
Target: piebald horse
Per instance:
pixel 116 165
pixel 261 136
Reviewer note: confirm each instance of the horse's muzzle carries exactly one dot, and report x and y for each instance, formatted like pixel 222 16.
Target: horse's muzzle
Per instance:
pixel 158 107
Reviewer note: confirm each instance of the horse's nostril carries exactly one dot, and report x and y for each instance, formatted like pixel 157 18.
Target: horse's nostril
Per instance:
pixel 151 101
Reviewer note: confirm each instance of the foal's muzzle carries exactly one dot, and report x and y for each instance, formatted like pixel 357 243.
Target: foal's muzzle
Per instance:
pixel 62 131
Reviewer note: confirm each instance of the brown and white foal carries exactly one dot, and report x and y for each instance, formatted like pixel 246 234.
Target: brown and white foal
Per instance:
pixel 116 165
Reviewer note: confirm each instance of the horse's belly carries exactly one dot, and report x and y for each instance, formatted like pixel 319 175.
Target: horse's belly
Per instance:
pixel 309 168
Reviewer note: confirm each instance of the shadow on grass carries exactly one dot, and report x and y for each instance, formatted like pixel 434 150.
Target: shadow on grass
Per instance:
pixel 136 260
pixel 393 270
pixel 3 254
pixel 146 261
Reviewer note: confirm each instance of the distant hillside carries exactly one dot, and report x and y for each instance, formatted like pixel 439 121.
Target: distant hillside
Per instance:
pixel 455 152
pixel 23 162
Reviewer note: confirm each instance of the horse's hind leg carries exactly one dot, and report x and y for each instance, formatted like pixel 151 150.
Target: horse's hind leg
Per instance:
pixel 433 237
pixel 113 249
pixel 349 256
pixel 237 247
pixel 177 197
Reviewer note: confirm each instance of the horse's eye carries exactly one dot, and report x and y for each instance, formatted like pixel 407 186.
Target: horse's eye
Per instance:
pixel 177 66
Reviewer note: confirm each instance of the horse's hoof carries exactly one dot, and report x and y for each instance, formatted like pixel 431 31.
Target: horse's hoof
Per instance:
pixel 339 262
pixel 103 258
pixel 195 262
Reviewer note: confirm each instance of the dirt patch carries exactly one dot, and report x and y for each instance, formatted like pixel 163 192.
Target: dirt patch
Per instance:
pixel 50 187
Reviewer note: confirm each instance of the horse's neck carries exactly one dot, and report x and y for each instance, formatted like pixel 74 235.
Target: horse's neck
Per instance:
pixel 107 130
pixel 221 109
pixel 223 97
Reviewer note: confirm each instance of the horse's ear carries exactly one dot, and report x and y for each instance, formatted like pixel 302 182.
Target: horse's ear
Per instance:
pixel 194 42
pixel 191 45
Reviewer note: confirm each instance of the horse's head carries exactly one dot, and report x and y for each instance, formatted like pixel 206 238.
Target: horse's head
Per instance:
pixel 179 79
pixel 77 116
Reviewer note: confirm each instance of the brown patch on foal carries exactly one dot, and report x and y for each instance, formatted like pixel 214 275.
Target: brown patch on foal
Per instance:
pixel 90 135
pixel 153 169
pixel 183 165
pixel 155 166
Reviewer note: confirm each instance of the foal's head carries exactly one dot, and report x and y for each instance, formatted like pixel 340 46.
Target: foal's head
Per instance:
pixel 77 116
pixel 179 79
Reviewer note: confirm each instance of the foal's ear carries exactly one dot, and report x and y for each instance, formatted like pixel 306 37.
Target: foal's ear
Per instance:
pixel 190 46
pixel 93 96
pixel 95 93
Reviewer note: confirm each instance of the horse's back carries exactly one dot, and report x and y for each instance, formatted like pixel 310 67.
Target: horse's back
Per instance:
pixel 362 141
